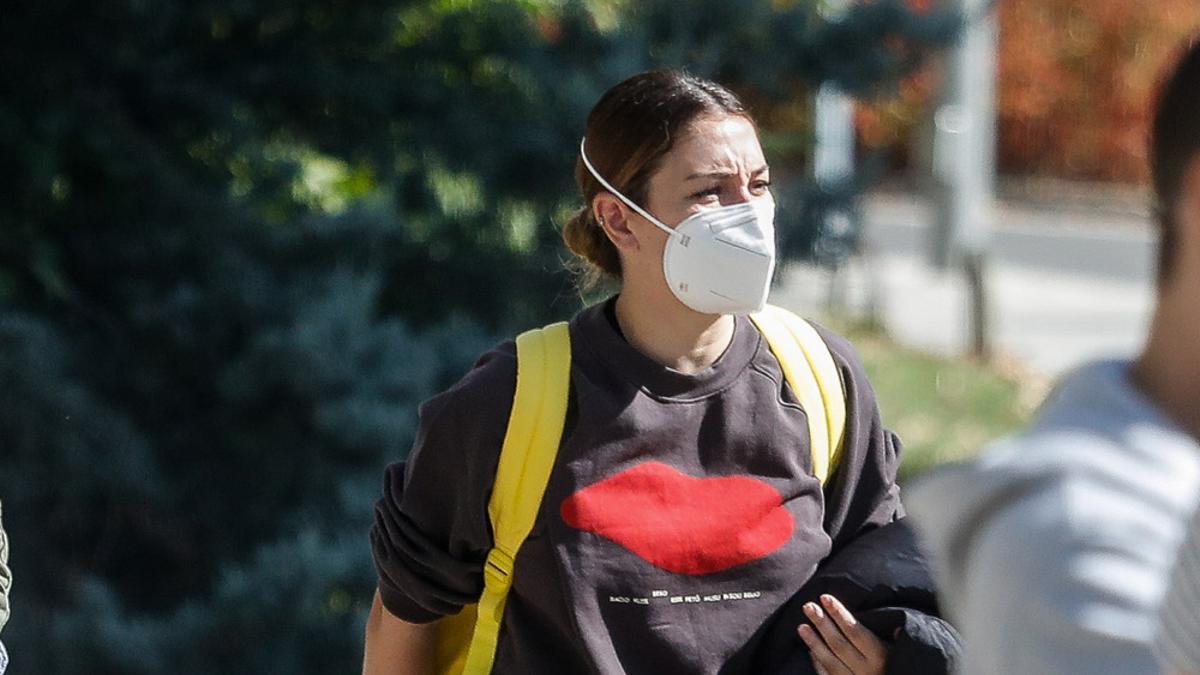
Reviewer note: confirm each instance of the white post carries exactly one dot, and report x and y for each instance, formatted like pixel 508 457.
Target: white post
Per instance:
pixel 833 155
pixel 833 152
pixel 964 151
pixel 833 147
pixel 964 159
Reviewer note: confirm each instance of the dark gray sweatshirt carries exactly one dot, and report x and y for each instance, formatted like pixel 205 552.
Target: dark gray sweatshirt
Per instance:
pixel 680 515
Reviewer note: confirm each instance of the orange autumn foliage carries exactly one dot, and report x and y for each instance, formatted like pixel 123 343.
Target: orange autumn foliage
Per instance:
pixel 1075 81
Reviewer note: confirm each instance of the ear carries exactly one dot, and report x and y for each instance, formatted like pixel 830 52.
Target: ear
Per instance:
pixel 613 217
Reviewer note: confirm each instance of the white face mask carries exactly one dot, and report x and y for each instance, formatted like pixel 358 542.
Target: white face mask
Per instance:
pixel 717 261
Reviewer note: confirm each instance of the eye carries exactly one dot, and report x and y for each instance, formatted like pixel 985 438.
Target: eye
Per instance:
pixel 713 191
pixel 761 185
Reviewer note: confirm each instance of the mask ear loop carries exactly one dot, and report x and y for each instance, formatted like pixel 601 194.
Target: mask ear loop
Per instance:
pixel 627 201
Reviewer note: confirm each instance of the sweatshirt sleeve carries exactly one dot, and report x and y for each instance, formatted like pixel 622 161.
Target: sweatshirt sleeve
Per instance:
pixel 431 533
pixel 862 492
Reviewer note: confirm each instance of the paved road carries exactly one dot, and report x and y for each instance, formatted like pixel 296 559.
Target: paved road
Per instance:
pixel 1065 286
pixel 1078 243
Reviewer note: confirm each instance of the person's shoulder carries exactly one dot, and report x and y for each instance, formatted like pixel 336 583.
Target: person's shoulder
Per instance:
pixel 491 380
pixel 480 402
pixel 494 370
pixel 1074 464
pixel 855 381
pixel 844 355
pixel 978 516
pixel 843 351
pixel 469 418
pixel 1051 493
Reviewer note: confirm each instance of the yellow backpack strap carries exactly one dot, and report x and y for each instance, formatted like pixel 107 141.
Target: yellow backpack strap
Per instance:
pixel 530 446
pixel 812 374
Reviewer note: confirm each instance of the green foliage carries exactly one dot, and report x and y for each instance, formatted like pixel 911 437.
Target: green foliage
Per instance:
pixel 242 240
pixel 944 409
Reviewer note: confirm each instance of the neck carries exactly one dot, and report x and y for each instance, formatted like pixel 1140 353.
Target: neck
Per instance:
pixel 1168 371
pixel 670 333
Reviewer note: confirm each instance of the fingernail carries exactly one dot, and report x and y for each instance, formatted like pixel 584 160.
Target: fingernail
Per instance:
pixel 827 599
pixel 812 609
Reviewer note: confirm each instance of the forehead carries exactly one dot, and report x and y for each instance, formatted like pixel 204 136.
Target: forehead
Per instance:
pixel 716 144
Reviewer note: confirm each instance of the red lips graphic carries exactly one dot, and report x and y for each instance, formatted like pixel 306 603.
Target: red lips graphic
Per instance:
pixel 683 524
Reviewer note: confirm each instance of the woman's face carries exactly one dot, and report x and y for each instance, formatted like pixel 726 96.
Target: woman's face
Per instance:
pixel 716 162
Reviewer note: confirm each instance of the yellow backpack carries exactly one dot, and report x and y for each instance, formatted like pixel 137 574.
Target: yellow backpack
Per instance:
pixel 466 641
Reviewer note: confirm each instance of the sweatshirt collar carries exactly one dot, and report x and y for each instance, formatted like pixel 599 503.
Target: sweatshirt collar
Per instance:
pixel 604 345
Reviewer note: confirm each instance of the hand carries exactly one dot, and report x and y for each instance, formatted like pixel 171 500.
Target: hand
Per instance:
pixel 840 645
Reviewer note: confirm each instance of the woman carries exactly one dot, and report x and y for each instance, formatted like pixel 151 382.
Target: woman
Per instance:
pixel 674 394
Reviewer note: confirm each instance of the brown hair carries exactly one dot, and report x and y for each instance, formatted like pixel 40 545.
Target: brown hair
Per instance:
pixel 630 129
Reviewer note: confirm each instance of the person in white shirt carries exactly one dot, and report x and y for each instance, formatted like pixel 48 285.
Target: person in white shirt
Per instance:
pixel 1052 550
pixel 1178 639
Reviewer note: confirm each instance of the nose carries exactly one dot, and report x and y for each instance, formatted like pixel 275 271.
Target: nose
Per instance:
pixel 740 195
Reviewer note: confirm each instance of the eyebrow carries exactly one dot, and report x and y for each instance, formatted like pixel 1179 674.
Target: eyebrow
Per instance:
pixel 726 174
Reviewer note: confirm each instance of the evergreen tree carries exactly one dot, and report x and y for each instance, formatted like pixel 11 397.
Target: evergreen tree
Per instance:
pixel 242 240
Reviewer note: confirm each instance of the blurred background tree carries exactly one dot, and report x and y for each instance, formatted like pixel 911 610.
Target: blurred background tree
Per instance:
pixel 242 240
pixel 1074 78
pixel 1078 111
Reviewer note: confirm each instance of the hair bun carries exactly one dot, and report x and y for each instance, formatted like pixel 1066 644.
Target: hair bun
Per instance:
pixel 586 239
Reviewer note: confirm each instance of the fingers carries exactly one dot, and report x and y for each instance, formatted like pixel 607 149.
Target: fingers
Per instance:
pixel 839 645
pixel 824 660
pixel 863 640
pixel 846 652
